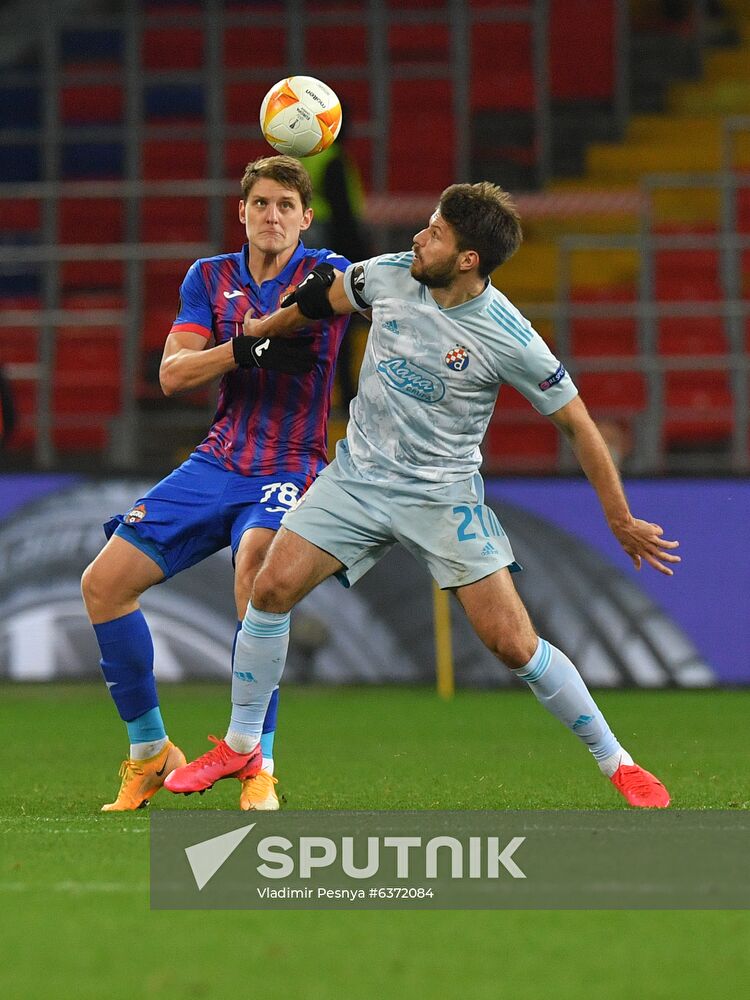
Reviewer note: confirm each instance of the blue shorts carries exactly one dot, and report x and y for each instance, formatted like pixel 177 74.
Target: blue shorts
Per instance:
pixel 201 508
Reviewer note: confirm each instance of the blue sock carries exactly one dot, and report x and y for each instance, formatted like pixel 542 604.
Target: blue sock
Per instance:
pixel 269 731
pixel 560 688
pixel 128 664
pixel 259 658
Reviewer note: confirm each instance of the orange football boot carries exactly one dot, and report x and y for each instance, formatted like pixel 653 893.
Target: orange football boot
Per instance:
pixel 142 779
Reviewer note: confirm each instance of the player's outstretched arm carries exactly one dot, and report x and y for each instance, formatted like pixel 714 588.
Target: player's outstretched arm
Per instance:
pixel 642 540
pixel 315 298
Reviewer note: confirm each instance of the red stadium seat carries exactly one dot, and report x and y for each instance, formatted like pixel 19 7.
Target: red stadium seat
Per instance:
pixel 239 152
pixel 174 220
pixel 21 215
pixel 691 335
pixel 83 104
pixel 91 220
pixel 698 409
pixel 687 274
pixel 613 394
pixel 598 337
pixel 87 275
pixel 242 102
pixel 417 160
pixel 350 46
pixel 262 46
pixel 520 445
pixel 418 43
pixel 502 72
pixel 743 208
pixel 173 47
pixel 172 159
pixel 582 34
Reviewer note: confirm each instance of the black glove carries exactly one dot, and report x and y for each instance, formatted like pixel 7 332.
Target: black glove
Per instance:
pixel 294 356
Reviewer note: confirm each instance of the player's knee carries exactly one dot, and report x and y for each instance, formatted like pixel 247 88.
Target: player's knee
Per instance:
pixel 104 596
pixel 274 590
pixel 513 650
pixel 90 589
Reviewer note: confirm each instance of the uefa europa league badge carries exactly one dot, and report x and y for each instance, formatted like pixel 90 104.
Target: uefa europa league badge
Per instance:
pixel 457 358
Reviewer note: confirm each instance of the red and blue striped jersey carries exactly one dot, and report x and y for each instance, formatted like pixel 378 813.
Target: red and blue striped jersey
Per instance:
pixel 265 420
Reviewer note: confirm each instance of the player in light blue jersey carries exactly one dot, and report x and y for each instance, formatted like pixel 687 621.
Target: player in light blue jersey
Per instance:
pixel 443 341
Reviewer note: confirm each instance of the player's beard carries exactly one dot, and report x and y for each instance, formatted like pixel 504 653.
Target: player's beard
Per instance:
pixel 438 275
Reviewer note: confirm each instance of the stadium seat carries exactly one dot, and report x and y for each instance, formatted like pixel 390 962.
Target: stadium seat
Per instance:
pixel 20 215
pixel 601 337
pixel 691 335
pixel 519 439
pixel 502 72
pixel 82 104
pixel 86 384
pixel 174 220
pixel 410 44
pixel 162 280
pixel 87 48
pixel 20 107
pixel 92 161
pixel 242 102
pixel 417 160
pixel 174 159
pixel 88 275
pixel 262 47
pixel 351 43
pixel 698 409
pixel 93 299
pixel 582 33
pixel 613 394
pixel 168 103
pixel 743 208
pixel 172 47
pixel 91 220
pixel 687 274
pixel 520 445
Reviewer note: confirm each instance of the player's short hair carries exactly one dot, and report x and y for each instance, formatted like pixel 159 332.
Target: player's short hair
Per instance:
pixel 484 218
pixel 284 170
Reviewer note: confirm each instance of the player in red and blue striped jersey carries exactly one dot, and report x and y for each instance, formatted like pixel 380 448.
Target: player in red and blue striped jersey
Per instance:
pixel 266 444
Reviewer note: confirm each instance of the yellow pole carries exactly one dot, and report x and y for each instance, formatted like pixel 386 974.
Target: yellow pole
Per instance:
pixel 443 642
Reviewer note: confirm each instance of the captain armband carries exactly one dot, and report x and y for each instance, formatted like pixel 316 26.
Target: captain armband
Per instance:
pixel 311 295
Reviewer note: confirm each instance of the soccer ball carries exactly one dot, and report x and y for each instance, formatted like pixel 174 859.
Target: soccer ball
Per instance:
pixel 300 116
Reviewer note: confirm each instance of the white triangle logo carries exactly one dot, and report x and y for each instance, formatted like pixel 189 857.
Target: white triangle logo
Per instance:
pixel 207 857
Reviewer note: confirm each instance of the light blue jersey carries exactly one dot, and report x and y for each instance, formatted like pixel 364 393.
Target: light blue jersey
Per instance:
pixel 430 376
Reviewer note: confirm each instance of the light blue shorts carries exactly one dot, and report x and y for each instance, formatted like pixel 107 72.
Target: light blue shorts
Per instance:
pixel 449 528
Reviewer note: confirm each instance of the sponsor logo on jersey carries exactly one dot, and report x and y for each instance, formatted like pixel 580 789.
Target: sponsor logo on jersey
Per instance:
pixel 391 325
pixel 457 358
pixel 412 380
pixel 135 514
pixel 553 379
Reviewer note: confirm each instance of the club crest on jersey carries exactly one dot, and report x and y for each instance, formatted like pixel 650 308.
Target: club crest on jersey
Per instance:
pixel 135 514
pixel 411 379
pixel 457 358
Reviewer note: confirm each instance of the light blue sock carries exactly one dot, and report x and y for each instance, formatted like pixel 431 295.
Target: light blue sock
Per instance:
pixel 259 658
pixel 560 688
pixel 147 735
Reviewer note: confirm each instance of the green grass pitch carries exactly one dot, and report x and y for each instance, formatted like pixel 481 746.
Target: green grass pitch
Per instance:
pixel 76 921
